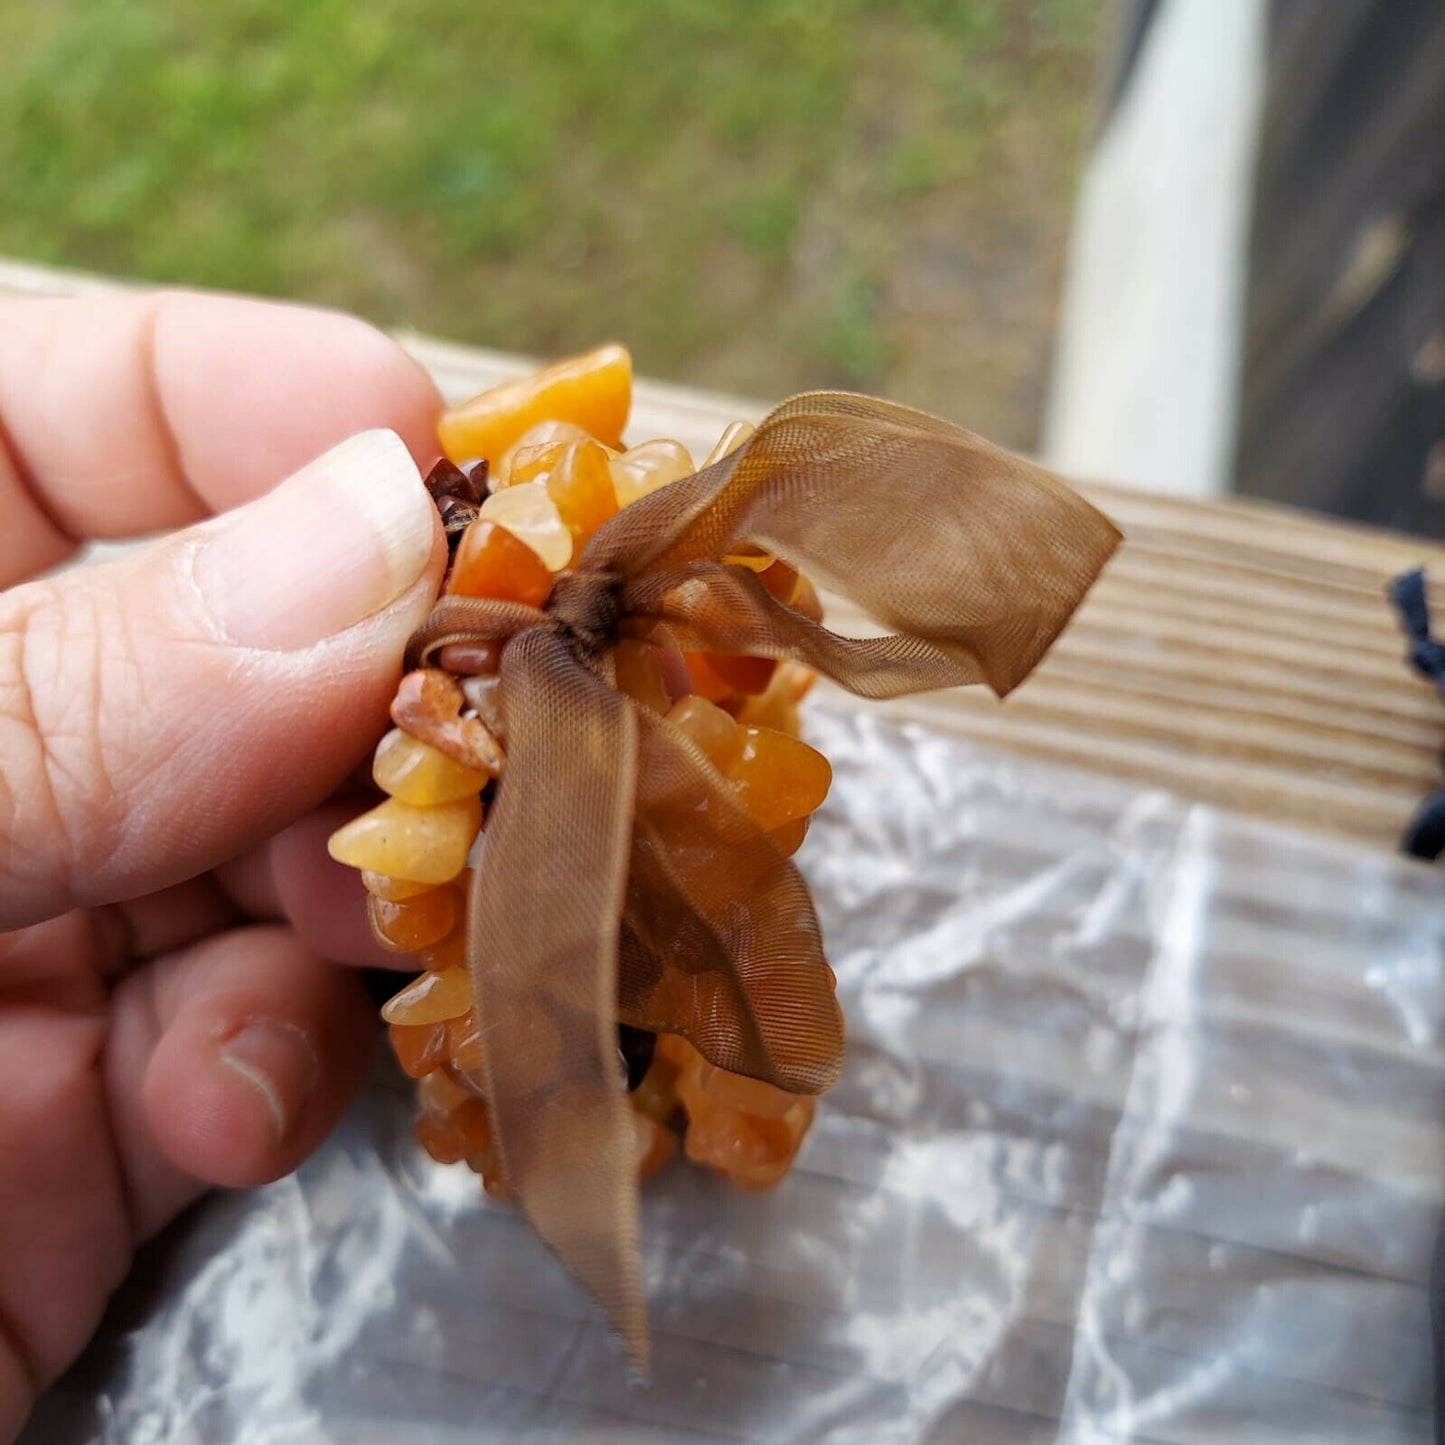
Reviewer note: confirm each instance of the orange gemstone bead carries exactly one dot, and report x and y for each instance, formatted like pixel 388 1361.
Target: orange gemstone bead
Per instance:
pixel 464 1043
pixel 491 562
pixel 789 838
pixel 748 1096
pixel 532 464
pixel 419 1048
pixel 440 1138
pixel 707 725
pixel 754 1149
pixel 486 1162
pixel 653 1145
pixel 754 1152
pixel 580 483
pixel 475 1123
pixel 656 1095
pixel 417 923
pixel 753 558
pixel 682 1062
pixel 592 391
pixel 418 773
pixel 639 674
pixel 780 581
pixel 430 706
pixel 742 674
pixel 544 434
pixel 734 435
pixel 777 708
pixel 432 998
pixel 451 952
pixel 424 845
pixel 470 659
pixel 645 469
pixel 779 778
pixel 440 1093
pixel 394 890
pixel 705 679
pixel 805 600
pixel 450 1138
pixel 529 514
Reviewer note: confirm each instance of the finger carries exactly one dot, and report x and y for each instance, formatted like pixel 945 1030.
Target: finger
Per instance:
pixel 18 1387
pixel 162 712
pixel 228 1063
pixel 129 414
pixel 66 962
pixel 292 877
pixel 163 922
pixel 62 1211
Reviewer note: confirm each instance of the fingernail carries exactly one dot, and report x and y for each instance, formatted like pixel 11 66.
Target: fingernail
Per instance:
pixel 276 1058
pixel 338 541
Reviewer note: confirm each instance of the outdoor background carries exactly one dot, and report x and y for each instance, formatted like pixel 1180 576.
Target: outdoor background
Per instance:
pixel 758 196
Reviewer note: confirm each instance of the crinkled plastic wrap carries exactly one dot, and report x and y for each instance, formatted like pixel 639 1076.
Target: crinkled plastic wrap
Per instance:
pixel 1139 1139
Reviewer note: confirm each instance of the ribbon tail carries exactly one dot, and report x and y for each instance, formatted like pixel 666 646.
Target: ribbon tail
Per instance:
pixel 542 953
pixel 722 944
pixel 733 614
pixel 951 543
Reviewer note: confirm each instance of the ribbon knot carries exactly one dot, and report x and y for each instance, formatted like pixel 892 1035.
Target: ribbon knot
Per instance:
pixel 587 606
pixel 620 879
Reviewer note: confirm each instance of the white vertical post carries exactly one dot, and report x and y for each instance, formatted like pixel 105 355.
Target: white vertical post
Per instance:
pixel 1145 386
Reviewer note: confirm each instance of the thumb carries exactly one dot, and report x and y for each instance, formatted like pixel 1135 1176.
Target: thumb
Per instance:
pixel 162 712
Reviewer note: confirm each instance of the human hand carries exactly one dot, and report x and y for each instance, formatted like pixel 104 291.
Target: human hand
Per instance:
pixel 171 724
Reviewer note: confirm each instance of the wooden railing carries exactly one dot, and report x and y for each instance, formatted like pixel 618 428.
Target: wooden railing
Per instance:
pixel 1235 653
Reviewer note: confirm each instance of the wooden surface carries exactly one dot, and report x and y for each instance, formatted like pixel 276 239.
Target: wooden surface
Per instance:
pixel 1237 653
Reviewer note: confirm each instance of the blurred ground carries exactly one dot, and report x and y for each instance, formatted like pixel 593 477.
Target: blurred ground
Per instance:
pixel 758 197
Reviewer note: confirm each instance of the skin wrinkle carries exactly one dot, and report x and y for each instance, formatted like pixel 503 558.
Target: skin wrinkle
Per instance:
pixel 9 797
pixel 148 368
pixel 42 369
pixel 124 1187
pixel 54 966
pixel 19 468
pixel 185 571
pixel 17 704
pixel 161 458
pixel 114 939
pixel 12 1342
pixel 119 655
pixel 61 541
pixel 125 1203
pixel 81 790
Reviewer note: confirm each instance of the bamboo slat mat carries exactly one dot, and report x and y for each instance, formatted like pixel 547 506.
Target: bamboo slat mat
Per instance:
pixel 1237 653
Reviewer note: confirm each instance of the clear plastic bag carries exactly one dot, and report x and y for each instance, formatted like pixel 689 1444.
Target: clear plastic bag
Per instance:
pixel 1139 1139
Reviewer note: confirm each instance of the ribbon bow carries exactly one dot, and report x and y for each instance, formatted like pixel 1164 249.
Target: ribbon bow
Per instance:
pixel 620 878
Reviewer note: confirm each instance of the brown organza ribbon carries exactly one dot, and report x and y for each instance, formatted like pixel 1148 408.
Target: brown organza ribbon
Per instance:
pixel 620 878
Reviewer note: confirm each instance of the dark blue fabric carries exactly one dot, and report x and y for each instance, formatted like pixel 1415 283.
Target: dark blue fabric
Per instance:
pixel 1425 835
pixel 1427 656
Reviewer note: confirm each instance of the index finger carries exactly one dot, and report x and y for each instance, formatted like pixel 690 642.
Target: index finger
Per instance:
pixel 125 415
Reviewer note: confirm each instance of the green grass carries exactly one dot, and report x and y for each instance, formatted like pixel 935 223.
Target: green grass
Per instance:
pixel 724 185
